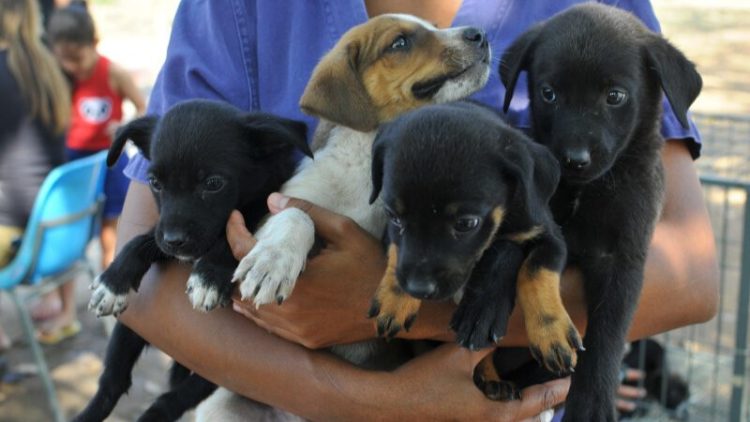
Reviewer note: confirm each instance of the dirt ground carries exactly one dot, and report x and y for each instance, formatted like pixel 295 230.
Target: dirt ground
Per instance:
pixel 713 34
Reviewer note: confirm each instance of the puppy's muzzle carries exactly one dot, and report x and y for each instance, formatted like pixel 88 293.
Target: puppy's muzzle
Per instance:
pixel 420 288
pixel 475 36
pixel 576 159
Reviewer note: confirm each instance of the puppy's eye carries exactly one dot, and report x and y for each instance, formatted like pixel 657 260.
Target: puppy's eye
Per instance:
pixel 399 43
pixel 213 184
pixel 616 97
pixel 395 220
pixel 466 223
pixel 154 183
pixel 548 94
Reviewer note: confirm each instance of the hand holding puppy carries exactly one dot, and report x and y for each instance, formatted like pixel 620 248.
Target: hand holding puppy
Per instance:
pixel 330 304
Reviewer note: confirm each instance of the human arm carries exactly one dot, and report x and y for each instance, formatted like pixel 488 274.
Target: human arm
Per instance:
pixel 125 86
pixel 681 265
pixel 226 348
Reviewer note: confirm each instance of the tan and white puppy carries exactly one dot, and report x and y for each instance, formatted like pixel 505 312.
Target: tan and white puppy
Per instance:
pixel 389 65
pixel 379 69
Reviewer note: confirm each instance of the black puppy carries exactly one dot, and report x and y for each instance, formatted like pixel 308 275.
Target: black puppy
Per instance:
pixel 206 159
pixel 467 197
pixel 670 389
pixel 595 79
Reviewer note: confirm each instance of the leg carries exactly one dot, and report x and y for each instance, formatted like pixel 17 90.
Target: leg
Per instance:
pixel 182 397
pixel 210 283
pixel 392 307
pixel 270 270
pixel 111 288
pixel 614 295
pixel 552 336
pixel 123 351
pixel 482 316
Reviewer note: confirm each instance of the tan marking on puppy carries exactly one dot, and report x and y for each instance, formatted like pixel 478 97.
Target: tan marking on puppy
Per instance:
pixel 486 369
pixel 394 308
pixel 496 216
pixel 362 82
pixel 552 336
pixel 522 237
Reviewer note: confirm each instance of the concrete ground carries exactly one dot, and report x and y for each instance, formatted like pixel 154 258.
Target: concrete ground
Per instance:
pixel 713 34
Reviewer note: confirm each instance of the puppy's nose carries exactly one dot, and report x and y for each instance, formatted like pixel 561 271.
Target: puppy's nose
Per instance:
pixel 421 289
pixel 174 239
pixel 577 159
pixel 474 36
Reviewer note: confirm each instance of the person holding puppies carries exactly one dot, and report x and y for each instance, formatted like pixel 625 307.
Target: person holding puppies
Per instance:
pixel 264 66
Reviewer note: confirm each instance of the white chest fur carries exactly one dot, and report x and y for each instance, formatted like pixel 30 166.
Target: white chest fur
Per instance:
pixel 339 178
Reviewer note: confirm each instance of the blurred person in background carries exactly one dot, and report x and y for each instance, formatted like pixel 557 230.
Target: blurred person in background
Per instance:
pixel 99 89
pixel 34 112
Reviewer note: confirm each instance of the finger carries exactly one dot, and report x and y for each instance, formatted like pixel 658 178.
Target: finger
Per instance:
pixel 328 224
pixel 634 374
pixel 538 398
pixel 238 236
pixel 625 405
pixel 630 392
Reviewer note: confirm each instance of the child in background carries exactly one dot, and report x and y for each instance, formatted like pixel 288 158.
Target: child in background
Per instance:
pixel 99 89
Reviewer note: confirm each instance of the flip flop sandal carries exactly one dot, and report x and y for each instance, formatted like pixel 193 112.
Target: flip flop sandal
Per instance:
pixel 56 336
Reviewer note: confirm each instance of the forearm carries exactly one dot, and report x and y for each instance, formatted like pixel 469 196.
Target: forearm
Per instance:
pixel 228 349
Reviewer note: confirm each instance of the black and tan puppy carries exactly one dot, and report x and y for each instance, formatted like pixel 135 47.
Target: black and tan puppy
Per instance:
pixel 206 159
pixel 595 80
pixel 467 197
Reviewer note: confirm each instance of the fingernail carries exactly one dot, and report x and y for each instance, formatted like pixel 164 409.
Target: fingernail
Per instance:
pixel 278 200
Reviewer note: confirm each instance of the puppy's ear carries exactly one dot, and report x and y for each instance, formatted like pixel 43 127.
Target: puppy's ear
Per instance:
pixel 515 59
pixel 378 154
pixel 335 91
pixel 536 173
pixel 139 132
pixel 677 75
pixel 272 134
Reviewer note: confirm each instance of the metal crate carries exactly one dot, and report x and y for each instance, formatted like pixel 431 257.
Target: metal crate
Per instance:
pixel 713 357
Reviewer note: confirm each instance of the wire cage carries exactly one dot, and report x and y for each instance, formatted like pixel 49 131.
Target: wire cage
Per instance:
pixel 713 357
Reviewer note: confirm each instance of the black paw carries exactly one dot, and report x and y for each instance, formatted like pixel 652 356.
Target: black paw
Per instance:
pixel 497 390
pixel 479 322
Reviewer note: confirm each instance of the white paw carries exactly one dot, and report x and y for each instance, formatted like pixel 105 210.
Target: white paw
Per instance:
pixel 203 296
pixel 269 272
pixel 105 302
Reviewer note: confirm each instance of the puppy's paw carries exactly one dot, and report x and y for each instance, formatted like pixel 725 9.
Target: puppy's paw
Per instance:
pixel 209 286
pixel 481 323
pixel 489 382
pixel 105 301
pixel 554 341
pixel 268 273
pixel 393 310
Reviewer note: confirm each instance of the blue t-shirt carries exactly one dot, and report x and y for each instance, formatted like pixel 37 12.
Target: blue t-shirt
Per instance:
pixel 259 55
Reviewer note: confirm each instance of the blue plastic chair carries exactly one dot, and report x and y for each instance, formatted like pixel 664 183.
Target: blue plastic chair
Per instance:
pixel 53 248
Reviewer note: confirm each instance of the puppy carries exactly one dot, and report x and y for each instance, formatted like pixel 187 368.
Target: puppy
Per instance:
pixel 673 392
pixel 467 198
pixel 206 159
pixel 595 80
pixel 379 69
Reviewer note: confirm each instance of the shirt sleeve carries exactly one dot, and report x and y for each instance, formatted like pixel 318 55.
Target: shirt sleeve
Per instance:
pixel 205 59
pixel 671 129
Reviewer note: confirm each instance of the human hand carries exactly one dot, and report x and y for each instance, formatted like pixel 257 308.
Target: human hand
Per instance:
pixel 439 386
pixel 627 395
pixel 332 295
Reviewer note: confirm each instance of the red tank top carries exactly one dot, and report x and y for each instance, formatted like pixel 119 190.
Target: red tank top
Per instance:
pixel 95 105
